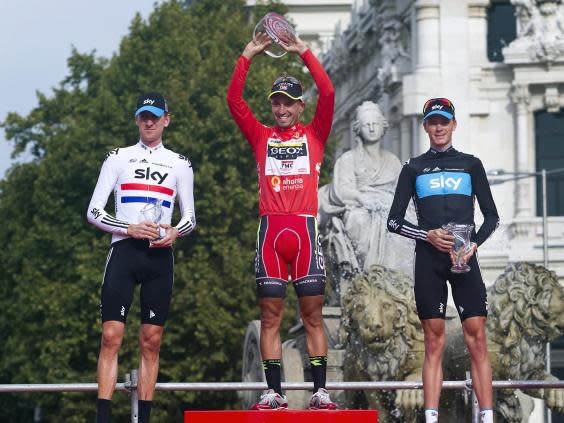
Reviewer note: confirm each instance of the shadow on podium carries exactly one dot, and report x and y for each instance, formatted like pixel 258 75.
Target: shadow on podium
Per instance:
pixel 282 416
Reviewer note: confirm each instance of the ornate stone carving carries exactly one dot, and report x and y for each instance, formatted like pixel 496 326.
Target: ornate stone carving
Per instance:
pixel 541 29
pixel 353 209
pixel 520 95
pixel 552 99
pixel 394 56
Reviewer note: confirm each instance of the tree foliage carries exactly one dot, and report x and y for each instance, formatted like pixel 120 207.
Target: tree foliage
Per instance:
pixel 53 261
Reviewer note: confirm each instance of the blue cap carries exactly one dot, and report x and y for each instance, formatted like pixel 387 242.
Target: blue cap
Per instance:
pixel 153 103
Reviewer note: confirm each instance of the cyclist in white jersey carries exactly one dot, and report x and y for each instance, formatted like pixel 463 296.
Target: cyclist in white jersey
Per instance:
pixel 141 250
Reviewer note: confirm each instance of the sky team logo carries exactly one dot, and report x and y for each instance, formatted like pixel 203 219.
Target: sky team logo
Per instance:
pixel 443 183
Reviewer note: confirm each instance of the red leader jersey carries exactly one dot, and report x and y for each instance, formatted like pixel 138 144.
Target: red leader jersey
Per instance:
pixel 288 160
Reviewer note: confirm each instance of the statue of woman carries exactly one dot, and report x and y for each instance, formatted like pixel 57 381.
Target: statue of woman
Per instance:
pixel 354 207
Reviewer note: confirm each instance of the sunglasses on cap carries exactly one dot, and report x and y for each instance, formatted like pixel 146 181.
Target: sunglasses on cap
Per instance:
pixel 441 100
pixel 286 78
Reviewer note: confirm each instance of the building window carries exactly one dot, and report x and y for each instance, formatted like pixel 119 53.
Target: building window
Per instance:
pixel 502 29
pixel 549 133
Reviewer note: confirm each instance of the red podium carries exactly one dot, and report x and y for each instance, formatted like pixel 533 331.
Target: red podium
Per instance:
pixel 282 416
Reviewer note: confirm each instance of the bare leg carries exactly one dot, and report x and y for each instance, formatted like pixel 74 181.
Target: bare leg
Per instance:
pixel 311 309
pixel 112 336
pixel 434 331
pixel 271 312
pixel 150 344
pixel 481 369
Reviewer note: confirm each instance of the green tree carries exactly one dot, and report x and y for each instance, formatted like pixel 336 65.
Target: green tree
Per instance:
pixel 53 261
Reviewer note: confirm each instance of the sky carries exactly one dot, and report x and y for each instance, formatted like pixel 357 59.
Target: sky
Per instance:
pixel 36 38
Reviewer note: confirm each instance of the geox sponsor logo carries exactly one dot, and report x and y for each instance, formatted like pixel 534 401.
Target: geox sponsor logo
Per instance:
pixel 287 153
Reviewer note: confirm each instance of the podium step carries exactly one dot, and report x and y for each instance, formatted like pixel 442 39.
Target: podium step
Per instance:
pixel 282 416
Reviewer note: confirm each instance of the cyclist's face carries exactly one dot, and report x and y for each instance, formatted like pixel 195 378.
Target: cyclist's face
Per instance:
pixel 440 130
pixel 151 127
pixel 286 111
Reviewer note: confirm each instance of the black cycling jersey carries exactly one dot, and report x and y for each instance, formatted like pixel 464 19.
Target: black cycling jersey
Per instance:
pixel 443 186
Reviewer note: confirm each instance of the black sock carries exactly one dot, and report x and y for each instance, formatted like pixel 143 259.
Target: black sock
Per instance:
pixel 318 371
pixel 272 373
pixel 103 410
pixel 144 411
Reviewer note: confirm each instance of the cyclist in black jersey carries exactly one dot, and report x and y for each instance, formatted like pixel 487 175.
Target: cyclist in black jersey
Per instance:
pixel 444 184
pixel 139 176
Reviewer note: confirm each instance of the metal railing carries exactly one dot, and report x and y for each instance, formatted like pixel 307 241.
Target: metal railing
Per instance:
pixel 130 385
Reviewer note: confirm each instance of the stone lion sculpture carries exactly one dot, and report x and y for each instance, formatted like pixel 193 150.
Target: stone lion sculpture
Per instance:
pixel 526 311
pixel 384 340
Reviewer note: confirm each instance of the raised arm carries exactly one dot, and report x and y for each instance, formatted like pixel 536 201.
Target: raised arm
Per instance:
pixel 242 114
pixel 323 118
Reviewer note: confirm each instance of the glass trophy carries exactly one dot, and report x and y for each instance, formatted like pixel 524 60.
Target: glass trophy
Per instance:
pixel 153 212
pixel 278 29
pixel 462 245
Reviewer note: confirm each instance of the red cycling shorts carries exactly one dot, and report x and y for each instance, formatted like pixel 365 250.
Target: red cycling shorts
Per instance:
pixel 288 246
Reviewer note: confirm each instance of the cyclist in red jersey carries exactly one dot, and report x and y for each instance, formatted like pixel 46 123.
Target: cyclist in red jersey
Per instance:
pixel 288 157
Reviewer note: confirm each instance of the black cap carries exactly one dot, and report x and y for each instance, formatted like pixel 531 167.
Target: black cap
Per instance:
pixel 438 106
pixel 287 85
pixel 152 102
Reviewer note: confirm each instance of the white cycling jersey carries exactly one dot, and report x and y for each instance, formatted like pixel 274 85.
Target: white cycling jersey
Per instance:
pixel 138 175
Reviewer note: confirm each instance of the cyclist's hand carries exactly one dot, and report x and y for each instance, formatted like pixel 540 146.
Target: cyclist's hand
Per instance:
pixel 440 239
pixel 168 239
pixel 143 230
pixel 294 46
pixel 257 45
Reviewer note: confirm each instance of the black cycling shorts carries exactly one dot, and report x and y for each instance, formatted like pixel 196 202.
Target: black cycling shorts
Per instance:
pixel 130 262
pixel 432 270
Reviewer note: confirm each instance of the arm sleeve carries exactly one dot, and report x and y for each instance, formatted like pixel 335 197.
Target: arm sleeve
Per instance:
pixel 96 215
pixel 485 200
pixel 185 192
pixel 396 218
pixel 242 114
pixel 323 119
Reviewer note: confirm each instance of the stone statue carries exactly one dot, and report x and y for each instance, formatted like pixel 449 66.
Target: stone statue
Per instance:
pixel 384 341
pixel 353 209
pixel 541 29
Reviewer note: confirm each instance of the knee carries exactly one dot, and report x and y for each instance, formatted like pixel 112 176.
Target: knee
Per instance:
pixel 150 342
pixel 434 344
pixel 312 318
pixel 111 339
